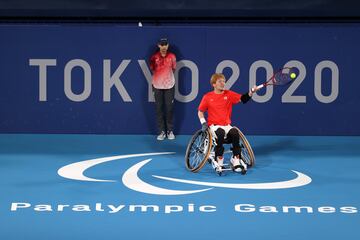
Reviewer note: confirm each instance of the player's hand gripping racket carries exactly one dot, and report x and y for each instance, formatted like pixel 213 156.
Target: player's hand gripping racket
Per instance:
pixel 281 77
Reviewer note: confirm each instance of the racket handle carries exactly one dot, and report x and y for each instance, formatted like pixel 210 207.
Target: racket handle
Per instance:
pixel 260 86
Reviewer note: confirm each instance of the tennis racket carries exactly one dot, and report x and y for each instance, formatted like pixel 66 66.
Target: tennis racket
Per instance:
pixel 281 77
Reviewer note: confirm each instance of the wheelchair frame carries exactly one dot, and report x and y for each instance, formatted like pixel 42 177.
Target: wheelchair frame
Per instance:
pixel 201 149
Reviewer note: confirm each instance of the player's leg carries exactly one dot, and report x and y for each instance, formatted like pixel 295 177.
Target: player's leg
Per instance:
pixel 159 103
pixel 238 164
pixel 219 148
pixel 169 104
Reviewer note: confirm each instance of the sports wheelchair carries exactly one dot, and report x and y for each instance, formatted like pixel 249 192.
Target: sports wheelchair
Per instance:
pixel 201 149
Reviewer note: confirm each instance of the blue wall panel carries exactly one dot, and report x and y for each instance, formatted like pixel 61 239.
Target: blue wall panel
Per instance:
pixel 324 103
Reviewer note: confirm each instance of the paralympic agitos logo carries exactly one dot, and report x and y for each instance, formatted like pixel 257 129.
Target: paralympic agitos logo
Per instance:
pixel 131 179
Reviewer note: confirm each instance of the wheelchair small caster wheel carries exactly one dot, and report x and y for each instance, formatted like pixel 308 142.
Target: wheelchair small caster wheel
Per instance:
pixel 219 170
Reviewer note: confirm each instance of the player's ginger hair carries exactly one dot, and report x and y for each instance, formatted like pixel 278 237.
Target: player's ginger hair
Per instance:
pixel 215 77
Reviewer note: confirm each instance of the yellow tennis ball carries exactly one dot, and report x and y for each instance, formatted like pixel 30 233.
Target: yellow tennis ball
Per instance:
pixel 293 75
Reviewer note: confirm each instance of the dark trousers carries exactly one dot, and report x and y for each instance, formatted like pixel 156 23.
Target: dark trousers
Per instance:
pixel 164 101
pixel 232 137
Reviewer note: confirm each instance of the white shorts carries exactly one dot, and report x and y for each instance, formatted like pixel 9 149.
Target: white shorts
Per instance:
pixel 226 128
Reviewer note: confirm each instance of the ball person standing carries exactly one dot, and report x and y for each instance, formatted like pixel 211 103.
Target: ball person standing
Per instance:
pixel 163 65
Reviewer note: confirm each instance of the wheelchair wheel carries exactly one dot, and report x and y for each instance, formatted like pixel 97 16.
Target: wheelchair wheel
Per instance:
pixel 247 153
pixel 198 150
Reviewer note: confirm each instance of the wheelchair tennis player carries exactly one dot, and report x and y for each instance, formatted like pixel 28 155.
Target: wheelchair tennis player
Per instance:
pixel 218 105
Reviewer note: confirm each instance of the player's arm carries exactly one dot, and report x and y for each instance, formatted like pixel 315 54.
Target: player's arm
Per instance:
pixel 201 116
pixel 247 96
pixel 152 64
pixel 173 65
pixel 202 120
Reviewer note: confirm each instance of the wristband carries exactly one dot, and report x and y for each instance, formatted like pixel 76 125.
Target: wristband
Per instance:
pixel 202 120
pixel 245 98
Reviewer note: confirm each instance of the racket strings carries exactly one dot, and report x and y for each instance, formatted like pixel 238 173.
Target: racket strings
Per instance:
pixel 281 78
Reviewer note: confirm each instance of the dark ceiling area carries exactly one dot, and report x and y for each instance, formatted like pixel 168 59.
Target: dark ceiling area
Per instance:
pixel 180 10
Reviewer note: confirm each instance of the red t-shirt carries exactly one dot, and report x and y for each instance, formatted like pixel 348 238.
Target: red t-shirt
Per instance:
pixel 219 106
pixel 163 67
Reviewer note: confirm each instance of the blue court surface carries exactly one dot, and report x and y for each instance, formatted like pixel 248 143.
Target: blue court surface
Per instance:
pixel 134 187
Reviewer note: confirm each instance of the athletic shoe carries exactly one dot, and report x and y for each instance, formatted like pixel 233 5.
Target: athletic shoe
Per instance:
pixel 238 164
pixel 219 163
pixel 170 135
pixel 242 162
pixel 161 136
